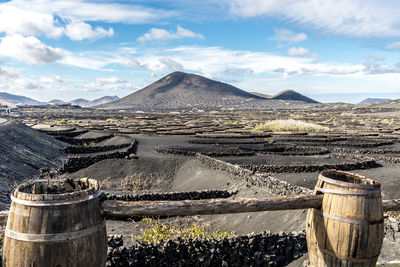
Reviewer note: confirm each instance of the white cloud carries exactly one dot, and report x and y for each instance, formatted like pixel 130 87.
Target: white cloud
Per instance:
pixel 236 71
pixel 372 67
pixel 27 22
pixel 393 46
pixel 156 34
pixel 12 80
pixel 171 64
pixel 133 62
pixel 285 35
pixel 211 61
pixel 109 85
pixel 361 18
pixel 78 30
pixel 51 79
pixel 111 12
pixel 298 51
pixel 374 57
pixel 110 80
pixel 29 50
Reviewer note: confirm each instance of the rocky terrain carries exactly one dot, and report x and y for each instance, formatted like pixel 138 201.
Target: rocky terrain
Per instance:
pixel 179 155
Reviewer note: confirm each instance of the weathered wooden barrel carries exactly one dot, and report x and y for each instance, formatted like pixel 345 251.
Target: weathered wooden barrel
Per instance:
pixel 348 229
pixel 55 223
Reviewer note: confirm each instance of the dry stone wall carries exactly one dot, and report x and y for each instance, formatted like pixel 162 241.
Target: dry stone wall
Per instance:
pixel 392 229
pixel 273 185
pixel 76 163
pixel 263 249
pixel 173 196
pixel 282 188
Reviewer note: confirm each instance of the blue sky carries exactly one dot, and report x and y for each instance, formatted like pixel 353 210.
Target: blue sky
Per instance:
pixel 331 50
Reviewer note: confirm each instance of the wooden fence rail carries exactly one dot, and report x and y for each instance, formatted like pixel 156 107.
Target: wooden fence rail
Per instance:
pixel 212 206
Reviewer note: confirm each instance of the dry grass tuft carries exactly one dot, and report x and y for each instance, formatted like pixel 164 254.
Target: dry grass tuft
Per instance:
pixel 133 183
pixel 290 126
pixel 157 232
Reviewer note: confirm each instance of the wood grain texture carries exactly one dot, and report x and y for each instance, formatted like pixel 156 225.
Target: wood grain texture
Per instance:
pixel 207 206
pixel 127 209
pixel 39 234
pixel 347 230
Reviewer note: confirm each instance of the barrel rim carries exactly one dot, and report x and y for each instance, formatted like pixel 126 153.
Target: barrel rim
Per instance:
pixel 373 185
pixel 69 197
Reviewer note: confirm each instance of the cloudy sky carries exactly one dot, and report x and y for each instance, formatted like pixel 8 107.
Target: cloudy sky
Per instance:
pixel 330 50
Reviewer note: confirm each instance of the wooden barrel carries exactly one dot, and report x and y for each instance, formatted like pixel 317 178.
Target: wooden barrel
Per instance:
pixel 348 229
pixel 55 223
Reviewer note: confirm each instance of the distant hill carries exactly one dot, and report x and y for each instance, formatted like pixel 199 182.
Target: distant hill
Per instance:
pixel 80 102
pixel 293 95
pixel 374 100
pixel 260 94
pixel 103 100
pixel 13 100
pixel 56 102
pixel 90 103
pixel 287 95
pixel 180 90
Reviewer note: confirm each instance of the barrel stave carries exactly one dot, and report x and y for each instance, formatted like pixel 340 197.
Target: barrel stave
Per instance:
pixel 71 234
pixel 348 230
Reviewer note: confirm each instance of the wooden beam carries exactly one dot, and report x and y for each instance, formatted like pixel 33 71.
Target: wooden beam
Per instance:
pixel 208 206
pixel 212 206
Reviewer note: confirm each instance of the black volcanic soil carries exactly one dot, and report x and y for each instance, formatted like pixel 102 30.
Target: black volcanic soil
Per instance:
pixel 23 151
pixel 351 128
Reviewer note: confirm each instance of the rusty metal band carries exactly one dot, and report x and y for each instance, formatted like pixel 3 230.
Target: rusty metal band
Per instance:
pixel 54 202
pixel 347 184
pixel 60 237
pixel 343 192
pixel 351 221
pixel 344 258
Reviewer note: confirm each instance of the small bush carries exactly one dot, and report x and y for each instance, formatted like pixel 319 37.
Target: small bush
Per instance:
pixel 91 143
pixel 157 232
pixel 134 183
pixel 63 121
pixel 290 126
pixel 394 214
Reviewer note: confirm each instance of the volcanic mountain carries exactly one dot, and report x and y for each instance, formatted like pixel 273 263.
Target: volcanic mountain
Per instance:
pixel 374 100
pixel 13 100
pixel 90 103
pixel 180 90
pixel 293 95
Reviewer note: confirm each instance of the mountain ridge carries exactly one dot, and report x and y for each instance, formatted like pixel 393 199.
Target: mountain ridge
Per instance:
pixel 14 100
pixel 179 90
pixel 374 100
